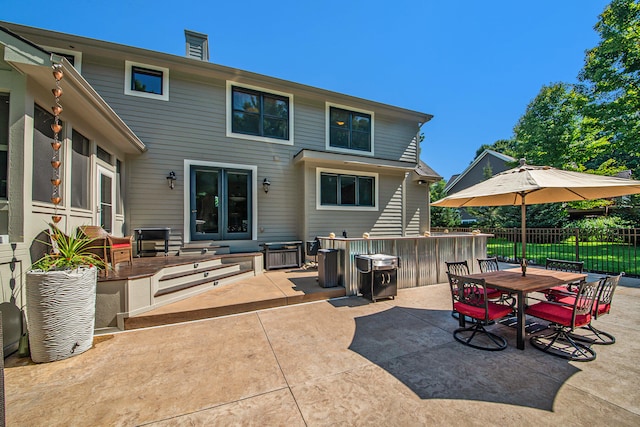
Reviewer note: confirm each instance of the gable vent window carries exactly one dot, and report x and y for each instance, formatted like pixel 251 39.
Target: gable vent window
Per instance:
pixel 197 45
pixel 146 81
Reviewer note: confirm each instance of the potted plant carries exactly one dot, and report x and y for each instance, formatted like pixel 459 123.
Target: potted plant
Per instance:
pixel 61 297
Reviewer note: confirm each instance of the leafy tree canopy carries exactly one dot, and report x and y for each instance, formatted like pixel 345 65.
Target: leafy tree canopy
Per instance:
pixel 442 217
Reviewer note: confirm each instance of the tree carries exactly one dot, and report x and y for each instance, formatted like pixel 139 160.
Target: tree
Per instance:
pixel 611 77
pixel 546 215
pixel 554 132
pixel 442 217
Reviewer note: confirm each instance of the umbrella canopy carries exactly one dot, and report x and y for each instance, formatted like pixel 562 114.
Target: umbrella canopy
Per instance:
pixel 531 185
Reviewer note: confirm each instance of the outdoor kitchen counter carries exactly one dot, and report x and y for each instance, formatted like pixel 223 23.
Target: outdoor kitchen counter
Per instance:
pixel 421 258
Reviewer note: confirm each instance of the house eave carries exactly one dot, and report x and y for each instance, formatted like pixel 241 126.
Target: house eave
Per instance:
pixel 207 70
pixel 477 160
pixel 79 98
pixel 324 158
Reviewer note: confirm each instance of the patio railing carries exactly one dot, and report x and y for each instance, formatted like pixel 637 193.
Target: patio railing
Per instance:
pixel 610 251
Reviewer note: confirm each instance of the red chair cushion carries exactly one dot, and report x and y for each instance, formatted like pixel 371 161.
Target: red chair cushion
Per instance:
pixel 496 311
pixel 598 309
pixel 601 309
pixel 493 293
pixel 560 314
pixel 121 245
pixel 557 292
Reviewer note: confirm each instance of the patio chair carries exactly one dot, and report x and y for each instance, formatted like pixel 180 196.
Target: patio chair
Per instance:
pixel 461 268
pixel 111 249
pixel 602 305
pixel 491 264
pixel 312 251
pixel 469 298
pixel 563 265
pixel 488 264
pixel 564 318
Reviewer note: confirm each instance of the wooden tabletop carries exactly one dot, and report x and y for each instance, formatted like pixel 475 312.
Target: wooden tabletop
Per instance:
pixel 537 279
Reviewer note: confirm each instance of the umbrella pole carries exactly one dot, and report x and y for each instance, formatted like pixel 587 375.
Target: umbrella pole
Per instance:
pixel 523 221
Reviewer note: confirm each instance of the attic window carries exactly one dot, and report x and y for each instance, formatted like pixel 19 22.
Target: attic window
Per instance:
pixel 146 81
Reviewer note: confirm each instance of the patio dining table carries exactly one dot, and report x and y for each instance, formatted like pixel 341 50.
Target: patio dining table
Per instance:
pixel 537 279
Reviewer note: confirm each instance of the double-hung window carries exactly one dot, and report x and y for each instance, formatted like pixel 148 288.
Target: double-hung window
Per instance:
pixel 350 130
pixel 347 190
pixel 259 113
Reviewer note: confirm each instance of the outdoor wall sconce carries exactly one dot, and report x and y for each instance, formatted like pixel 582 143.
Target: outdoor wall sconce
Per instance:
pixel 266 184
pixel 171 179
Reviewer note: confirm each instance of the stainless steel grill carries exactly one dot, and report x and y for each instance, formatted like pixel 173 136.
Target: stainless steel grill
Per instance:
pixel 378 275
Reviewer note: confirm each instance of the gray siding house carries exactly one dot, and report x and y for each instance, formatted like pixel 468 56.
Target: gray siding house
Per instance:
pixel 489 163
pixel 255 159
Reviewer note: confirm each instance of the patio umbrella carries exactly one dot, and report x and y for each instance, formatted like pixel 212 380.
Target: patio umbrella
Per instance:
pixel 531 185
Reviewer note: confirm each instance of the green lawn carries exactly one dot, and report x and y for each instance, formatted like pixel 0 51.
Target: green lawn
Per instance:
pixel 597 256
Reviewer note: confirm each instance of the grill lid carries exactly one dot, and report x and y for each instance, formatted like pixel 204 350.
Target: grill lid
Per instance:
pixel 377 261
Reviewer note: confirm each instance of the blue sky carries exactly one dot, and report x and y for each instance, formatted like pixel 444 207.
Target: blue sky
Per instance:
pixel 473 65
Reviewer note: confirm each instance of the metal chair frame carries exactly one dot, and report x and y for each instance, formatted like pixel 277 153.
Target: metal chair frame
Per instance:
pixel 602 305
pixel 312 248
pixel 561 342
pixel 491 264
pixel 563 265
pixel 467 296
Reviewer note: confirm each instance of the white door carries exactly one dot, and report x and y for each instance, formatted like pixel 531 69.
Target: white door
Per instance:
pixel 106 199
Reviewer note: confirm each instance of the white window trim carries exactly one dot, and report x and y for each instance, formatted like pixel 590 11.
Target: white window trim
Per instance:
pixel 77 61
pixel 187 193
pixel 229 115
pixel 128 65
pixel 322 207
pixel 328 146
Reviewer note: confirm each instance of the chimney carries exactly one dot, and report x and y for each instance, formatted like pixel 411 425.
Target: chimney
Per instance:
pixel 197 45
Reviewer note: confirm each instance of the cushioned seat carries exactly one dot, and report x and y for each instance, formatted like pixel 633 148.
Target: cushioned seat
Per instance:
pixel 565 317
pixel 491 264
pixel 470 301
pixel 563 265
pixel 602 305
pixel 110 248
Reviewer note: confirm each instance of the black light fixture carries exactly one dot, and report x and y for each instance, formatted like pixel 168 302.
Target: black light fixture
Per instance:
pixel 266 184
pixel 171 179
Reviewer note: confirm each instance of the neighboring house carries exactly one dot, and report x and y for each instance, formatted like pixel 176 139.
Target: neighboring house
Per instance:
pixel 256 159
pixel 489 163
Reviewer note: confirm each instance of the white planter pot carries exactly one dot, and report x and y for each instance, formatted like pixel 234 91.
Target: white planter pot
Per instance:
pixel 61 309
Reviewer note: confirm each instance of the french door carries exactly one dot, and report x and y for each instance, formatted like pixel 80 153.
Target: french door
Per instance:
pixel 220 203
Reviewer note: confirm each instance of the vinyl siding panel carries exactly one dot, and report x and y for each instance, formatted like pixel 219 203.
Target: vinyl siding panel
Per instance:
pixel 192 126
pixel 395 139
pixel 416 208
pixel 386 221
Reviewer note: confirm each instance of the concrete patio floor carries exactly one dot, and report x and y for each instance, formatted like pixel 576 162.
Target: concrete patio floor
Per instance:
pixel 345 361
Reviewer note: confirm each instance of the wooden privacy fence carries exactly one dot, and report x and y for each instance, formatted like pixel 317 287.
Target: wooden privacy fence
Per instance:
pixel 608 251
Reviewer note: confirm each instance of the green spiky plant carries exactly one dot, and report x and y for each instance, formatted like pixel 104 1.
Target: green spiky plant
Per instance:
pixel 71 252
